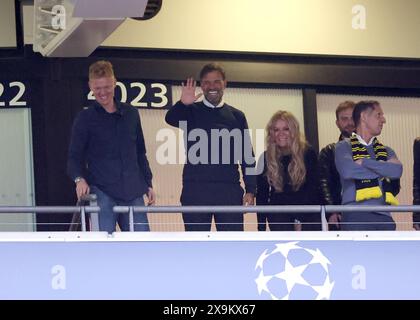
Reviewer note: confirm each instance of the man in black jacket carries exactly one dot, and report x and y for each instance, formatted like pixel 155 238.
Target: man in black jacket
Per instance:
pixel 107 154
pixel 329 177
pixel 211 173
pixel 416 182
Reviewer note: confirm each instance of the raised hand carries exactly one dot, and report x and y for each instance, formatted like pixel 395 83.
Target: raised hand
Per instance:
pixel 188 92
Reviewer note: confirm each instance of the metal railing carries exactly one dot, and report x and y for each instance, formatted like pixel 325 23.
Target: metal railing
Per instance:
pixel 214 209
pixel 79 209
pixel 94 216
pixel 93 210
pixel 261 209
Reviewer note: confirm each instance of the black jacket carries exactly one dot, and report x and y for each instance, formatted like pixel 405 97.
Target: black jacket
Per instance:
pixel 210 170
pixel 416 178
pixel 329 177
pixel 108 150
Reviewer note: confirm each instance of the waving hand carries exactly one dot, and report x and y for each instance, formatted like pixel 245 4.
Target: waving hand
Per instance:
pixel 188 92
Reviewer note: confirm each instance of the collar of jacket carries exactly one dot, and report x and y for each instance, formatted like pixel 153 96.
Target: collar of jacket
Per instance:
pixel 120 110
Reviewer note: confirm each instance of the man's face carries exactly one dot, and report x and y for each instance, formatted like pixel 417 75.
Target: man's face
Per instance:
pixel 103 89
pixel 345 122
pixel 374 120
pixel 213 86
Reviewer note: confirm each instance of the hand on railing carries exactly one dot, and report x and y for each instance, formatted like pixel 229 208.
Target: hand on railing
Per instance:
pixel 82 188
pixel 151 197
pixel 86 199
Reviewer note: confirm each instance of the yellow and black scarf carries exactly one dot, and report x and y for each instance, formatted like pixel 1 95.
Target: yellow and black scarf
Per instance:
pixel 369 188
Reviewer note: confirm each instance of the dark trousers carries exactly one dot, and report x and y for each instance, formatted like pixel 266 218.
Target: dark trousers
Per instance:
pixel 212 194
pixel 285 221
pixel 366 221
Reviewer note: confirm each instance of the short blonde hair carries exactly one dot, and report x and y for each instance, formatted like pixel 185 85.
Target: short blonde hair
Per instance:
pixel 101 69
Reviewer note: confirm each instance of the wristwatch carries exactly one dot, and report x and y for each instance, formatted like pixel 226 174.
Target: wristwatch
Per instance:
pixel 77 179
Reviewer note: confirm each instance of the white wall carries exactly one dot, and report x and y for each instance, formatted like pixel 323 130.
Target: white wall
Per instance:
pixel 326 27
pixel 7 24
pixel 16 169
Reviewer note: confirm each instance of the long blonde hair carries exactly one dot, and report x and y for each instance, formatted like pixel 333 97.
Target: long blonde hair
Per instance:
pixel 298 145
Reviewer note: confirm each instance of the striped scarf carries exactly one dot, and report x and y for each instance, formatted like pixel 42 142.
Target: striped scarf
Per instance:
pixel 369 188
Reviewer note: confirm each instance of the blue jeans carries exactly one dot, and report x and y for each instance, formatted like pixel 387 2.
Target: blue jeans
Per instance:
pixel 108 218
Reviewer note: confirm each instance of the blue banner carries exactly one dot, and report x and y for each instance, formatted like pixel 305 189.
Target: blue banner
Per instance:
pixel 246 269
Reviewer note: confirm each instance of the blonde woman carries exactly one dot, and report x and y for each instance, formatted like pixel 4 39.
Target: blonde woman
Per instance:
pixel 290 176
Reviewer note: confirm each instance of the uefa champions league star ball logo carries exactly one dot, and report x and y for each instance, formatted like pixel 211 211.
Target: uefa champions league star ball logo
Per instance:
pixel 290 271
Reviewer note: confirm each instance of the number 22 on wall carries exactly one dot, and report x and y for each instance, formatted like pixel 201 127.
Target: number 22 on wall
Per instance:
pixel 7 100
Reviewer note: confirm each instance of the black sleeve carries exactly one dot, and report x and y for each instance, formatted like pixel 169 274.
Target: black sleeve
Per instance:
pixel 416 178
pixel 248 158
pixel 312 190
pixel 178 112
pixel 76 165
pixel 326 159
pixel 263 188
pixel 141 156
pixel 262 193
